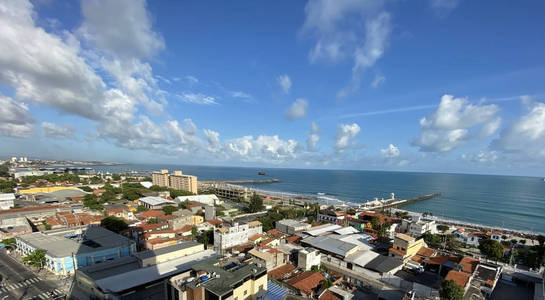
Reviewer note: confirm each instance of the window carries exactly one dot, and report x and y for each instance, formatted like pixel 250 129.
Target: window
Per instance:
pixel 245 293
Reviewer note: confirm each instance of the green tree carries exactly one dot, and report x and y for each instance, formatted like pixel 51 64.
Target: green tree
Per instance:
pixel 116 177
pixel 131 194
pixel 176 193
pixel 9 243
pixel 442 228
pixel 169 209
pixel 108 196
pixel 450 290
pixel 36 258
pixel 86 189
pixel 153 221
pixel 4 170
pixel 141 208
pixel 256 203
pixel 433 240
pixel 114 224
pixel 194 232
pixel 491 248
pixel 327 283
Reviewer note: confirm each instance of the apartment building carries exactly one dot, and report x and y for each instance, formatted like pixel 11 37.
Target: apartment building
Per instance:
pixel 219 279
pixel 227 237
pixel 176 180
pixel 308 257
pixel 405 246
pixel 291 226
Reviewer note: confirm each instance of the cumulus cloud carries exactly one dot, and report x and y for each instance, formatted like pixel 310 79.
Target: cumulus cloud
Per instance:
pixel 239 94
pixel 197 98
pixel 345 133
pixel 313 137
pixel 297 109
pixel 213 140
pixel 121 28
pixel 15 119
pixel 482 156
pixel 262 148
pixel 57 131
pixel 455 122
pixel 390 152
pixel 443 7
pixel 191 79
pixel 285 83
pixel 526 135
pixel 356 29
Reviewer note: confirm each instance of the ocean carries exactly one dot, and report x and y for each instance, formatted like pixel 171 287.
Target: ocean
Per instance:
pixel 513 202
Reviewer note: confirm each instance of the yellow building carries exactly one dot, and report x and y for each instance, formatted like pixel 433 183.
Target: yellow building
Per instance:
pixel 211 280
pixel 196 219
pixel 160 178
pixel 177 181
pixel 405 246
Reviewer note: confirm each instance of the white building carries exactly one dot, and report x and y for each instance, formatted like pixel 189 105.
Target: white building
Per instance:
pixel 154 202
pixel 210 199
pixel 7 201
pixel 291 226
pixel 308 257
pixel 227 237
pixel 418 227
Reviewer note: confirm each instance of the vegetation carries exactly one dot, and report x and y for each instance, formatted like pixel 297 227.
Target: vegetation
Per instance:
pixel 402 214
pixel 442 228
pixel 206 238
pixel 279 213
pixel 51 178
pixel 327 283
pixel 47 226
pixel 9 242
pixel 450 290
pixel 491 248
pixel 7 186
pixel 116 177
pixel 169 209
pixel 36 258
pixel 141 208
pixel 256 203
pixel 4 170
pixel 433 240
pixel 86 189
pixel 153 221
pixel 91 201
pixel 114 224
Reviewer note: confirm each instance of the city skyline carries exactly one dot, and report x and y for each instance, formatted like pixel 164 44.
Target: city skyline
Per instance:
pixel 435 86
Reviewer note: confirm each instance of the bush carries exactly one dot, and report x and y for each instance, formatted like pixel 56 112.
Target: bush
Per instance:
pixel 450 290
pixel 114 224
pixel 491 248
pixel 169 209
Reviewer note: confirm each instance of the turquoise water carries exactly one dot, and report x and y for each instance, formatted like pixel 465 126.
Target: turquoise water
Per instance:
pixel 504 201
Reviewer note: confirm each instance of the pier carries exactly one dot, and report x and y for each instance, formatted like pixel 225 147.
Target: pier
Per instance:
pixel 257 181
pixel 385 203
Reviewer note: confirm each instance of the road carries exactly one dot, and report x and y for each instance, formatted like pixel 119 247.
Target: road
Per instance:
pixel 20 283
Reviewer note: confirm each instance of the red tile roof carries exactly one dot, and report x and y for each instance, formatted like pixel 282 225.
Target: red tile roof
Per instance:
pixel 469 264
pixel 276 233
pixel 280 272
pixel 215 222
pixel 398 252
pixel 149 227
pixel 306 281
pixel 461 278
pixel 294 239
pixel 152 213
pixel 426 252
pixel 329 295
pixel 255 237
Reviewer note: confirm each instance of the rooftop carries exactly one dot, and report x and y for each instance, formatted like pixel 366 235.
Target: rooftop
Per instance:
pixel 383 264
pixel 404 237
pixel 110 267
pixel 7 196
pixel 282 271
pixel 306 281
pixel 461 278
pixel 469 264
pixel 151 200
pixel 63 243
pixel 330 244
pixel 322 229
pixel 165 250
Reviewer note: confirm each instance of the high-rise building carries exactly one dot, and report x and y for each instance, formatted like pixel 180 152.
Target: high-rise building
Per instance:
pixel 177 180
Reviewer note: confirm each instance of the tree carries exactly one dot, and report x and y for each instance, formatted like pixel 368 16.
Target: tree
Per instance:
pixel 315 269
pixel 116 177
pixel 114 224
pixel 169 209
pixel 450 290
pixel 36 258
pixel 86 189
pixel 491 248
pixel 193 232
pixel 442 228
pixel 432 240
pixel 141 208
pixel 9 243
pixel 176 193
pixel 327 283
pixel 131 194
pixel 541 240
pixel 256 203
pixel 153 221
pixel 452 243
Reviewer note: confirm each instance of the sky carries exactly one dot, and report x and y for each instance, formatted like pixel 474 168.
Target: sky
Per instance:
pixel 435 86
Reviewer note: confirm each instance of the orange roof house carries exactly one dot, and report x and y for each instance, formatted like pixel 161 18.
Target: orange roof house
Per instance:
pixel 461 278
pixel 306 282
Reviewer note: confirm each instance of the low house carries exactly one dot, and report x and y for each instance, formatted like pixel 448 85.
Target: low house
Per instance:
pixel 307 283
pixel 307 258
pixel 7 201
pixel 405 247
pixel 460 278
pixel 154 202
pixel 289 226
pixel 150 214
pixel 268 257
pixel 331 216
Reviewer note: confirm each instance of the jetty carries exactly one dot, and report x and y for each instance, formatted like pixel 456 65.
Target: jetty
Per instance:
pixel 256 181
pixel 392 202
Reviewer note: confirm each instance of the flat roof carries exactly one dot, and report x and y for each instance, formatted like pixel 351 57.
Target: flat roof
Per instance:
pixel 152 200
pixel 63 243
pixel 110 267
pixel 404 237
pixel 131 279
pixel 383 264
pixel 7 196
pixel 318 230
pixel 164 250
pixel 330 244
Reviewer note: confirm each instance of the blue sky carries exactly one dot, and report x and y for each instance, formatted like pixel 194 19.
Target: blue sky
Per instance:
pixel 440 85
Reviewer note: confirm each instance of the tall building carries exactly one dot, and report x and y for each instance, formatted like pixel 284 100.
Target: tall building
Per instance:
pixel 177 180
pixel 227 237
pixel 160 178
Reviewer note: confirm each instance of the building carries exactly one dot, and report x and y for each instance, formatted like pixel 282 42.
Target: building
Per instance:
pixel 219 279
pixel 154 202
pixel 7 201
pixel 228 237
pixel 308 257
pixel 164 254
pixel 160 178
pixel 307 283
pixel 67 250
pixel 227 191
pixel 291 226
pixel 13 227
pixel 136 278
pixel 269 258
pixel 329 245
pixel 209 199
pixel 181 218
pixel 405 247
pixel 209 212
pixel 177 181
pixel 418 227
pixel 331 216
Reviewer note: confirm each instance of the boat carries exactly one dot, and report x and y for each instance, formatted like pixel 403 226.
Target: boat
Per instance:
pixel 261 173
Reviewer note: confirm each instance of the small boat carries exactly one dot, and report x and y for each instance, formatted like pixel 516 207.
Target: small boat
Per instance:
pixel 261 173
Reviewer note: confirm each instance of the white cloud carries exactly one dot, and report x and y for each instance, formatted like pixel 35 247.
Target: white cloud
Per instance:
pixel 197 98
pixel 263 148
pixel 455 122
pixel 443 7
pixel 352 28
pixel 15 120
pixel 121 28
pixel 345 133
pixel 285 83
pixel 485 157
pixel 191 79
pixel 379 80
pixel 313 137
pixel 239 94
pixel 57 131
pixel 297 110
pixel 390 152
pixel 213 140
pixel 526 135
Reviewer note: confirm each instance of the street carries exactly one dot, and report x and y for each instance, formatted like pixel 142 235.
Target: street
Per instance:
pixel 18 282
